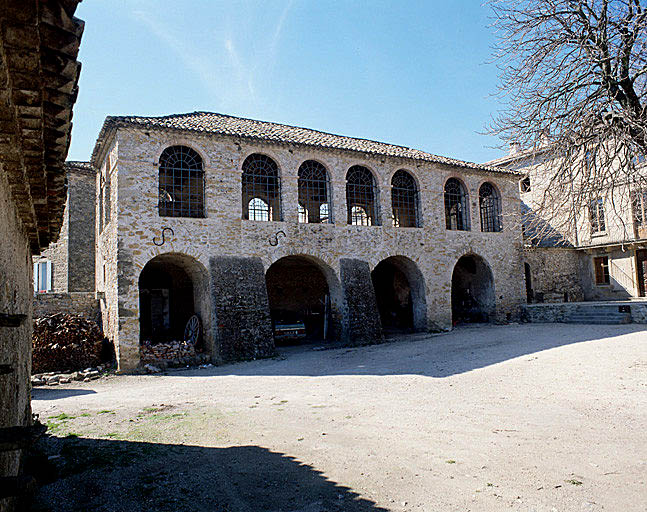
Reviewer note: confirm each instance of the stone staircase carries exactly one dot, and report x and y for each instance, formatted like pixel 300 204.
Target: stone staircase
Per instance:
pixel 607 314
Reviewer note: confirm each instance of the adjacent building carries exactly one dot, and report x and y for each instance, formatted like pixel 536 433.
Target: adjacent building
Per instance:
pixel 594 253
pixel 249 224
pixel 39 43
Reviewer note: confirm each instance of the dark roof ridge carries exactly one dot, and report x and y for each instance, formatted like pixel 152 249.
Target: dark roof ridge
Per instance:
pixel 227 125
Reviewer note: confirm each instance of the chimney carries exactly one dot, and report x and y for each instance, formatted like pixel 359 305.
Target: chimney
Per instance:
pixel 515 148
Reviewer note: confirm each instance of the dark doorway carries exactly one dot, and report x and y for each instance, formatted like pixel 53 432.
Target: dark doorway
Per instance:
pixel 473 297
pixel 299 299
pixel 393 295
pixel 529 292
pixel 641 265
pixel 171 290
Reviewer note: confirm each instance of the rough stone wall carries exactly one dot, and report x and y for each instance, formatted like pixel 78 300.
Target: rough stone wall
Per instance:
pixel 79 303
pixel 560 313
pixel 241 309
pixel 126 244
pixel 16 294
pixel 106 266
pixel 81 201
pixel 363 317
pixel 556 274
pixel 57 253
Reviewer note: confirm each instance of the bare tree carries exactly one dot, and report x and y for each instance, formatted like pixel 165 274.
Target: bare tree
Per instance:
pixel 573 88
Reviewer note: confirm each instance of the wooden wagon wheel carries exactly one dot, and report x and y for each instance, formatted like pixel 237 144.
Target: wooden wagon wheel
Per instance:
pixel 192 330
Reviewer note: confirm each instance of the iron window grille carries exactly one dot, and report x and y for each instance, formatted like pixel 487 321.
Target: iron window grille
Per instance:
pixel 404 200
pixel 596 213
pixel 456 206
pixel 303 214
pixel 361 194
pixel 261 189
pixel 258 209
pixel 490 207
pixel 314 193
pixel 181 183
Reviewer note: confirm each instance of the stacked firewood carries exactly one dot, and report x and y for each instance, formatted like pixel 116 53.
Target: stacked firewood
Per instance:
pixel 63 342
pixel 174 352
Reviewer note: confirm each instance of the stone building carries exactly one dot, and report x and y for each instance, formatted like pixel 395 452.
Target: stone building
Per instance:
pixel 601 254
pixel 249 224
pixel 67 265
pixel 39 43
pixel 64 273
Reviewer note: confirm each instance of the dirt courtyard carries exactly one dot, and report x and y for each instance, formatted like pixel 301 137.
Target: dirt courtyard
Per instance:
pixel 524 417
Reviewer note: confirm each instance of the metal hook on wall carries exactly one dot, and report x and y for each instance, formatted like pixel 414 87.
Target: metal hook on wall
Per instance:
pixel 164 230
pixel 274 242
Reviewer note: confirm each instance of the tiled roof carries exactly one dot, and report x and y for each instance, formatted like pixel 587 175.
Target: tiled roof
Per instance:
pixel 210 122
pixel 79 164
pixel 79 167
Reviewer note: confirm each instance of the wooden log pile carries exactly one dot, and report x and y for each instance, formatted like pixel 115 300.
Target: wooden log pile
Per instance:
pixel 172 352
pixel 64 342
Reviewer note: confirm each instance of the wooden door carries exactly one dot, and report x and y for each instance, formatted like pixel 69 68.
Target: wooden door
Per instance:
pixel 641 264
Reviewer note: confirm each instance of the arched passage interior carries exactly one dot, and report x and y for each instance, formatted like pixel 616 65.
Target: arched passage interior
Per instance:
pixel 473 298
pixel 400 294
pixel 303 289
pixel 172 288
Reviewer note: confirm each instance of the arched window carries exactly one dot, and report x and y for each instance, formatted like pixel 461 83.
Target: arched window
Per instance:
pixel 456 206
pixel 261 188
pixel 314 192
pixel 490 206
pixel 404 200
pixel 257 209
pixel 361 196
pixel 181 183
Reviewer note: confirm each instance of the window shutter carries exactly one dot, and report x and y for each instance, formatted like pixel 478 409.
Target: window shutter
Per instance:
pixel 35 277
pixel 49 276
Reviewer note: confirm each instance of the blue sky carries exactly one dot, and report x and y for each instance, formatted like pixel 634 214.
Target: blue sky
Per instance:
pixel 409 73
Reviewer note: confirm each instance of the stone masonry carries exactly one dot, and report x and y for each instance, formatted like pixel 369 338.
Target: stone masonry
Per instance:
pixel 223 245
pixel 72 255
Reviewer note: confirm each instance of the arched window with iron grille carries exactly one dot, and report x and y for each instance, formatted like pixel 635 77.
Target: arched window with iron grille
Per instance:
pixel 314 193
pixel 361 197
pixel 404 200
pixel 457 215
pixel 261 188
pixel 490 207
pixel 181 183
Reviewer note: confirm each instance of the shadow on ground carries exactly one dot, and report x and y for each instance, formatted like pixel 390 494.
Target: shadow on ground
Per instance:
pixel 50 393
pixel 462 350
pixel 114 476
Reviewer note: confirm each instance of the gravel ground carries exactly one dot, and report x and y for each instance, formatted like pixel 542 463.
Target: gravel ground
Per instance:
pixel 543 417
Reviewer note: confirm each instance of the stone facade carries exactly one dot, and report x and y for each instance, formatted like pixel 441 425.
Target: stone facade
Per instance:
pixel 39 43
pixel 555 274
pixel 79 303
pixel 72 255
pixel 562 251
pixel 15 348
pixel 236 253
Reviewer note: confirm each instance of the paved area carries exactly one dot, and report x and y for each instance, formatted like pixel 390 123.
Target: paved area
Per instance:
pixel 523 417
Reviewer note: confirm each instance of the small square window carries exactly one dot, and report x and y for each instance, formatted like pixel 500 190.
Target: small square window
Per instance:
pixel 524 185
